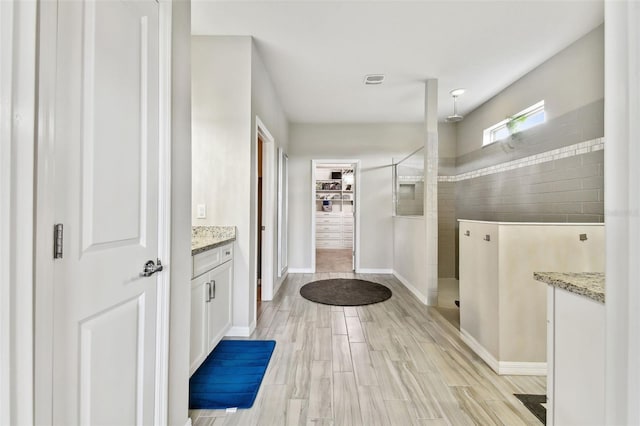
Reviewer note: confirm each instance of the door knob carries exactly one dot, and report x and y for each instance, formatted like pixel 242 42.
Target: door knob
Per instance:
pixel 151 268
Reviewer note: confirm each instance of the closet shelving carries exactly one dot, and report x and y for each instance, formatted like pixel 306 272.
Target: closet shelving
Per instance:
pixel 337 190
pixel 334 194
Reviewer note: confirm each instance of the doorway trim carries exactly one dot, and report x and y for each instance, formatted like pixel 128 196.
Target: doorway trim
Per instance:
pixel 44 209
pixel 356 208
pixel 18 72
pixel 268 212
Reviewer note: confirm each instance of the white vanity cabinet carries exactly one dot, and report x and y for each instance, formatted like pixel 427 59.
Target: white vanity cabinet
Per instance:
pixel 576 359
pixel 211 287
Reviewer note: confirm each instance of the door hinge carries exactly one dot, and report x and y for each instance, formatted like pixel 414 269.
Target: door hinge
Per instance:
pixel 58 240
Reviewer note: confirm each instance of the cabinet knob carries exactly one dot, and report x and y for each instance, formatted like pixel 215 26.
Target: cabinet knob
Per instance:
pixel 467 233
pixel 487 237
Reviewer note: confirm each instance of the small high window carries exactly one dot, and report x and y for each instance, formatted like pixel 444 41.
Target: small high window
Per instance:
pixel 523 120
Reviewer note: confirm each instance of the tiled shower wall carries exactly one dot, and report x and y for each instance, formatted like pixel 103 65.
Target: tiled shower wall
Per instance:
pixel 553 173
pixel 447 229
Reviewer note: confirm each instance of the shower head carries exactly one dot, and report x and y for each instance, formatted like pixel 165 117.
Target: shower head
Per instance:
pixel 455 117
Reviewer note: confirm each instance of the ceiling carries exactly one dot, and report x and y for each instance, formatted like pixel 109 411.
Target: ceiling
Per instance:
pixel 318 52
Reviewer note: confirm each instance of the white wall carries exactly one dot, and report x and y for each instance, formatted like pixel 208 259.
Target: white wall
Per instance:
pixel 180 266
pixel 569 80
pixel 265 104
pixel 221 132
pixel 409 254
pixel 375 145
pixel 231 87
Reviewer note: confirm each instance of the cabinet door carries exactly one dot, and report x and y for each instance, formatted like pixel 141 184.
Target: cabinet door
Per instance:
pixel 219 309
pixel 198 341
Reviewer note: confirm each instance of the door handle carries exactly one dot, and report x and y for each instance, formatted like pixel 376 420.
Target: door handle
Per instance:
pixel 214 289
pixel 151 268
pixel 208 292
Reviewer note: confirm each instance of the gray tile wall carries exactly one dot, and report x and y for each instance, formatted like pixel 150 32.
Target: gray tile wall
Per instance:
pixel 447 241
pixel 565 190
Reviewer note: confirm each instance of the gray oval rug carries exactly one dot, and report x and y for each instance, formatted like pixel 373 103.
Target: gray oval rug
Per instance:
pixel 345 292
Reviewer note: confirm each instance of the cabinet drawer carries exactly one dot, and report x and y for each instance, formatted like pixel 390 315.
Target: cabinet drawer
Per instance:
pixel 329 236
pixel 328 244
pixel 327 228
pixel 226 253
pixel 331 220
pixel 206 261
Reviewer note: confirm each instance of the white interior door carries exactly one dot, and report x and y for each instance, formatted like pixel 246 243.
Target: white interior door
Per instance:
pixel 106 195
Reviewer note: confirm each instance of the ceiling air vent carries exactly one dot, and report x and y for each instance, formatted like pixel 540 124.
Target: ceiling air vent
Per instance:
pixel 373 79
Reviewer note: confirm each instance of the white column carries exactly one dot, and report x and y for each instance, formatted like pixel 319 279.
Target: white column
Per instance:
pixel 622 206
pixel 431 188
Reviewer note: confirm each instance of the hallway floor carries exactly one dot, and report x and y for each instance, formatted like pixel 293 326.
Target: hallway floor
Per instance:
pixel 334 260
pixel 393 363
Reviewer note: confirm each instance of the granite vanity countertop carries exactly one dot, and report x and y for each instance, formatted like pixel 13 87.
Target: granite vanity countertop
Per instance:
pixel 205 238
pixel 589 284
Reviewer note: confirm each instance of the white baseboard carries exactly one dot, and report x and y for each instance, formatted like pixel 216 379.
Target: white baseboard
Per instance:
pixel 301 271
pixel 374 271
pixel 421 297
pixel 503 367
pixel 480 350
pixel 239 332
pixel 523 368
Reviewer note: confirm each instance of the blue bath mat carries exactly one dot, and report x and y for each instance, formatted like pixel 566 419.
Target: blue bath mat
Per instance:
pixel 231 375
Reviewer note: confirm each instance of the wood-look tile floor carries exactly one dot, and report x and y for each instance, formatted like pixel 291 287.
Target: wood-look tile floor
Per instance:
pixel 334 260
pixel 393 363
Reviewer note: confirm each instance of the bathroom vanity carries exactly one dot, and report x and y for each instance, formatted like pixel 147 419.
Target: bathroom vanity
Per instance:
pixel 503 310
pixel 575 347
pixel 211 289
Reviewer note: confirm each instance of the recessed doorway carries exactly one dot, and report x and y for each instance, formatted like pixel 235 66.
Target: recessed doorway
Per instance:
pixel 260 215
pixel 335 190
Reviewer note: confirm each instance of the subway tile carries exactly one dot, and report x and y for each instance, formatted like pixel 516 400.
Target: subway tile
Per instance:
pixel 565 196
pixel 593 182
pixel 596 157
pixel 561 185
pixel 593 208
pixel 585 218
pixel 568 162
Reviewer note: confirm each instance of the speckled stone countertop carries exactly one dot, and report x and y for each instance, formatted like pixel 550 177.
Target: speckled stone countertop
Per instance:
pixel 205 238
pixel 589 284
